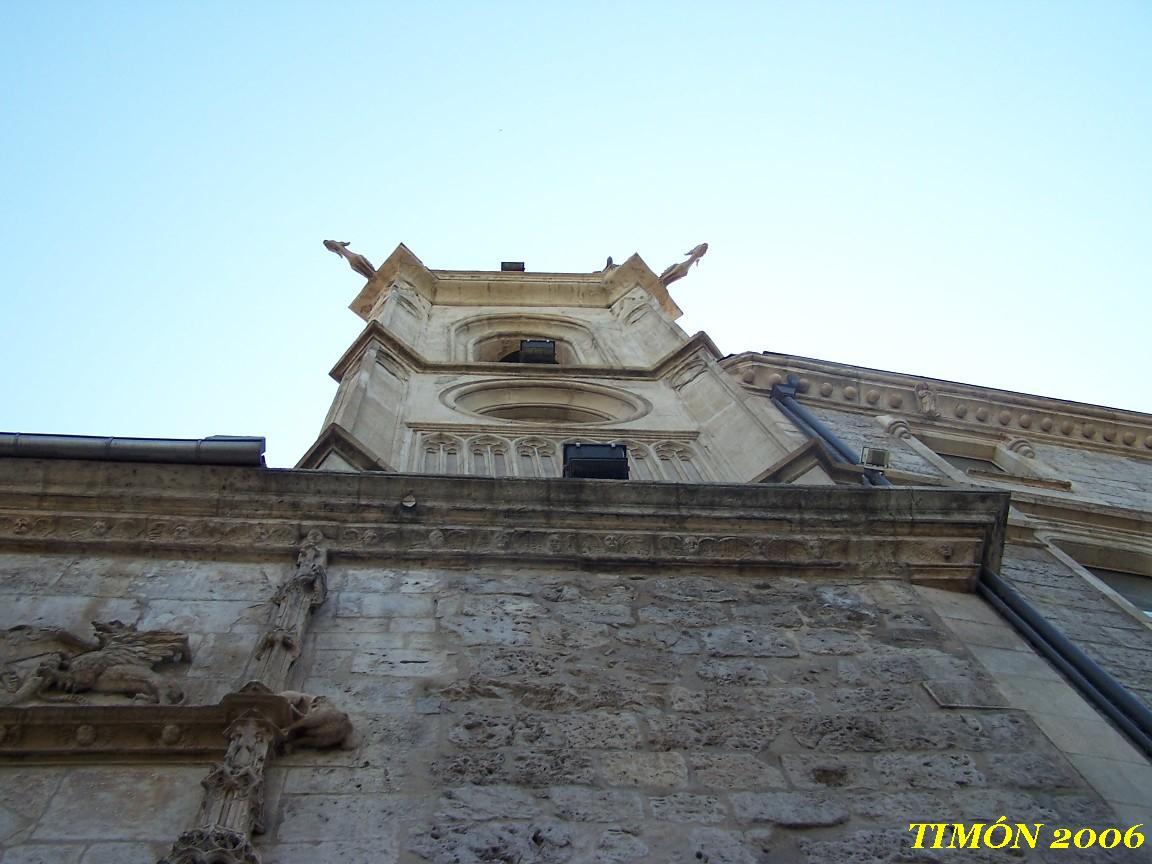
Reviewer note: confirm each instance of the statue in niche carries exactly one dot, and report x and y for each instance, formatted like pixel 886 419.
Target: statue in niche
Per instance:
pixel 679 271
pixel 355 260
pixel 926 400
pixel 54 665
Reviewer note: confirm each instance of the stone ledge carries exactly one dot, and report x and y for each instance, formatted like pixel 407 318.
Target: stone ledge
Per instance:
pixel 46 732
pixel 938 536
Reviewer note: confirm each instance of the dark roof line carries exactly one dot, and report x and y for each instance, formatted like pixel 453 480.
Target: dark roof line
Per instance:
pixel 216 450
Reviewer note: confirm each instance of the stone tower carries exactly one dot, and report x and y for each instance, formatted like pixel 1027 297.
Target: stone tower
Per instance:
pixel 790 634
pixel 435 383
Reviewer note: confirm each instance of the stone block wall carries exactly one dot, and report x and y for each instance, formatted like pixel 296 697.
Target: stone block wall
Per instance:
pixel 538 716
pixel 545 715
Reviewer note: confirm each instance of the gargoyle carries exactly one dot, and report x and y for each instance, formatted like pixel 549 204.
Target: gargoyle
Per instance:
pixel 319 725
pixel 120 661
pixel 679 271
pixel 355 260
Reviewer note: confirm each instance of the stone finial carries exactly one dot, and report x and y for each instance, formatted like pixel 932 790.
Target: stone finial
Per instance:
pixel 355 260
pixel 679 271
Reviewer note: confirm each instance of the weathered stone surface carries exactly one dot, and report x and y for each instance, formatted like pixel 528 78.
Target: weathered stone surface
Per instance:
pixel 674 639
pixel 482 731
pixel 644 769
pixel 831 641
pixel 618 846
pixel 733 771
pixel 687 733
pixel 523 843
pixel 828 771
pixel 333 780
pixel 790 809
pixel 400 662
pixel 737 671
pixel 584 804
pixel 122 803
pixel 118 853
pixel 841 732
pixel 716 846
pixel 489 630
pixel 580 636
pixel 363 852
pixel 780 700
pixel 872 699
pixel 748 640
pixel 701 701
pixel 479 803
pixel 928 770
pixel 44 853
pixel 1029 771
pixel 684 807
pixel 338 817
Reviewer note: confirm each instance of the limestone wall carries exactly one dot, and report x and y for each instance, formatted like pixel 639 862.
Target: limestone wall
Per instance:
pixel 555 716
pixel 94 814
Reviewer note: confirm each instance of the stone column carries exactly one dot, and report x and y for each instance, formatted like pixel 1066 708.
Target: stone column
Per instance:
pixel 291 605
pixel 232 807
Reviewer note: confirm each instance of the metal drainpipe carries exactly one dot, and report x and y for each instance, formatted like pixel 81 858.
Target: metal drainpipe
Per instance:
pixel 784 397
pixel 1099 687
pixel 1130 714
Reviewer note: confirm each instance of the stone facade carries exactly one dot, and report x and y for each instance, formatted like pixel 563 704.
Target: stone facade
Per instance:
pixel 424 645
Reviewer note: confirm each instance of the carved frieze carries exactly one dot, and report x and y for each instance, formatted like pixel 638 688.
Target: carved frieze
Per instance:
pixel 954 404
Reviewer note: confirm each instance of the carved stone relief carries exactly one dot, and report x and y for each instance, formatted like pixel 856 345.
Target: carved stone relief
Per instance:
pixel 926 400
pixel 52 664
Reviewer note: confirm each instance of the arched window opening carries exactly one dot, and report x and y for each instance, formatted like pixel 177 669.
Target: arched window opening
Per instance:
pixel 441 455
pixel 676 463
pixel 536 458
pixel 489 457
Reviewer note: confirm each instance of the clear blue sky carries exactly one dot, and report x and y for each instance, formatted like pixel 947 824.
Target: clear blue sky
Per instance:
pixel 959 190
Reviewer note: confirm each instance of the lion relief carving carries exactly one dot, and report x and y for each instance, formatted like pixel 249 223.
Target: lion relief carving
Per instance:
pixel 52 664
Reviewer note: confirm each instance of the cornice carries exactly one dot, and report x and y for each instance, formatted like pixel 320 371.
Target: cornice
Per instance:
pixel 496 288
pixel 947 404
pixel 413 361
pixel 924 535
pixel 101 732
pixel 556 431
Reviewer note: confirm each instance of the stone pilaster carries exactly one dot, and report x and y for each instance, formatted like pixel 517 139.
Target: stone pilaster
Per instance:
pixel 290 607
pixel 232 807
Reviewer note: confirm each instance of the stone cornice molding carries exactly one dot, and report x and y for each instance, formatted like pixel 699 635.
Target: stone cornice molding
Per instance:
pixel 494 288
pixel 948 404
pixel 556 431
pixel 934 536
pixel 170 732
pixel 391 350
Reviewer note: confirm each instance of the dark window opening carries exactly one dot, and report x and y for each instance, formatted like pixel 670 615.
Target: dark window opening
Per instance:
pixel 1137 590
pixel 596 461
pixel 966 462
pixel 532 351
